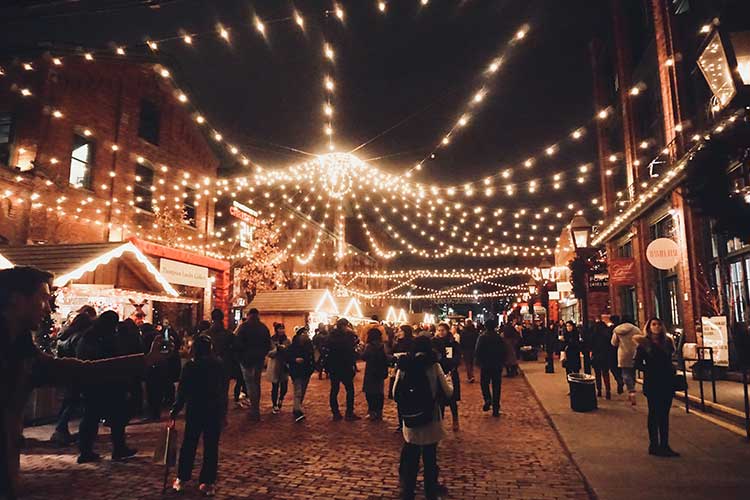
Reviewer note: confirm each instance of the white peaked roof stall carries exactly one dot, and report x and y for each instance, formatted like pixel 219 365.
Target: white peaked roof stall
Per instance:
pixel 96 273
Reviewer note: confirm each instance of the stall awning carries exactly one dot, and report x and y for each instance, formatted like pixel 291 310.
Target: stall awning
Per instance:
pixel 70 262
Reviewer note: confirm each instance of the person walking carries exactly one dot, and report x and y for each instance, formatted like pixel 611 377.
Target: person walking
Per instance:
pixel 300 360
pixel 491 354
pixel 611 322
pixel 66 348
pixel 449 352
pixel 623 337
pixel 376 371
pixel 340 367
pixel 319 342
pixel 253 343
pixel 550 346
pixel 601 348
pixel 203 390
pixel 403 344
pixel 654 357
pixel 102 401
pixel 276 373
pixel 512 338
pixel 469 336
pixel 128 340
pixel 221 339
pixel 420 383
pixel 572 348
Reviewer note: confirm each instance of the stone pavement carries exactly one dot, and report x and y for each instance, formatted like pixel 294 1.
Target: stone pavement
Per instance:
pixel 518 456
pixel 610 447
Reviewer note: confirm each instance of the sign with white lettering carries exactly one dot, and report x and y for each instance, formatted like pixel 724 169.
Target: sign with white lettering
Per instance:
pixel 715 335
pixel 663 253
pixel 180 273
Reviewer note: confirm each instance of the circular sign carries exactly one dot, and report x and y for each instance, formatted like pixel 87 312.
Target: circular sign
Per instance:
pixel 663 253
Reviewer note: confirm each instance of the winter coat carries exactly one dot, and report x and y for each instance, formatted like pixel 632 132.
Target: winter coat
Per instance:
pixel 656 363
pixel 511 338
pixel 276 371
pixel 341 355
pixel 222 340
pixel 623 338
pixel 492 351
pixel 203 388
pixel 302 350
pixel 469 336
pixel 573 346
pixel 601 346
pixel 376 368
pixel 432 432
pixel 403 345
pixel 253 343
pixel 449 365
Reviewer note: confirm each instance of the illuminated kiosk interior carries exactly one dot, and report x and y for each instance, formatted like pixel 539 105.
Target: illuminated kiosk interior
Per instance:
pixel 108 276
pixel 306 307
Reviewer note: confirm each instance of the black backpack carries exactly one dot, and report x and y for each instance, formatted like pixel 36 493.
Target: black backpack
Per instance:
pixel 414 398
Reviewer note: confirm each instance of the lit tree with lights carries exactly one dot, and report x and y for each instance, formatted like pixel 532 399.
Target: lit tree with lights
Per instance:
pixel 168 224
pixel 260 268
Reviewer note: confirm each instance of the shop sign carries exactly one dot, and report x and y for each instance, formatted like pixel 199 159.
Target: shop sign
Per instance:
pixel 622 271
pixel 598 281
pixel 248 220
pixel 663 253
pixel 715 334
pixel 179 273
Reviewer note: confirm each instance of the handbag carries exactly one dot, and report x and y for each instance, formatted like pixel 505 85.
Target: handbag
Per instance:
pixel 166 448
pixel 679 382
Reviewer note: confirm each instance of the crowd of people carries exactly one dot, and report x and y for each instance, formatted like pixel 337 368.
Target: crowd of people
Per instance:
pixel 415 365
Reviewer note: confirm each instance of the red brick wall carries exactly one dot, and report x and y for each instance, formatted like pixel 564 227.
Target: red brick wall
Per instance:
pixel 103 96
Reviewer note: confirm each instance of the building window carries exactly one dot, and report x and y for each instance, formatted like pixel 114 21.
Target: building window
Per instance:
pixel 6 137
pixel 626 250
pixel 188 207
pixel 144 182
pixel 81 162
pixel 148 124
pixel 628 302
pixel 737 291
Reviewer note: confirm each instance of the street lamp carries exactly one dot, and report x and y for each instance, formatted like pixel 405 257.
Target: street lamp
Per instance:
pixel 532 286
pixel 580 230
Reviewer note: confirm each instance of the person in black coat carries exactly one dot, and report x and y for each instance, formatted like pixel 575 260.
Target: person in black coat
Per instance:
pixel 468 341
pixel 129 341
pixel 66 348
pixel 253 344
pixel 550 346
pixel 340 362
pixel 203 389
pixel 300 359
pixel 491 354
pixel 376 371
pixel 654 357
pixel 449 356
pixel 572 348
pixel 102 400
pixel 601 355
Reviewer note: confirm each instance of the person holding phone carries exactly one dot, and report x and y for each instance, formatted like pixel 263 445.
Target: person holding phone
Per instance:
pixel 449 351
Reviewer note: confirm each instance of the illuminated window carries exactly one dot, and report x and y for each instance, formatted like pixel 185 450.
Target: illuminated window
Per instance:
pixel 144 181
pixel 81 161
pixel 713 63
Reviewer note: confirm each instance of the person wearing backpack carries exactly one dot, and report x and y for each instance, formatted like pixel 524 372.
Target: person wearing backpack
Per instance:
pixel 420 384
pixel 491 355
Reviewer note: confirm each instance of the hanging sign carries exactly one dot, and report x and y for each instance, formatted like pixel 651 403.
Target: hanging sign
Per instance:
pixel 598 281
pixel 180 273
pixel 622 271
pixel 663 253
pixel 715 336
pixel 248 220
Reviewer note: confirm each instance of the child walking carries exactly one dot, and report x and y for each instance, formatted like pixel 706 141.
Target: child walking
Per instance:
pixel 203 389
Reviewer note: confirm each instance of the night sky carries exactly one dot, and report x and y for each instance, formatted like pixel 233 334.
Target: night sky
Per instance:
pixel 420 63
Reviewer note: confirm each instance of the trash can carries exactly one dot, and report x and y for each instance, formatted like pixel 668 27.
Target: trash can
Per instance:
pixel 582 392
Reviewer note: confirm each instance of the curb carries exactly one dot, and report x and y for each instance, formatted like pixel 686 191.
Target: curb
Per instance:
pixel 589 489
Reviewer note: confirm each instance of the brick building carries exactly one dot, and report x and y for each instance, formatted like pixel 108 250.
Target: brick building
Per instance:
pixel 672 78
pixel 105 149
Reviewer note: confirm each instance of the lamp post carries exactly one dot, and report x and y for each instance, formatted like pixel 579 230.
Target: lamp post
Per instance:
pixel 580 232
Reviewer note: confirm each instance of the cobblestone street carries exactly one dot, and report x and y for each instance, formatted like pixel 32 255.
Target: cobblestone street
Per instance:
pixel 516 457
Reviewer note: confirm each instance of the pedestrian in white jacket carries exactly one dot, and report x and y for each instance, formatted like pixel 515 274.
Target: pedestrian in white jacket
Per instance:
pixel 623 338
